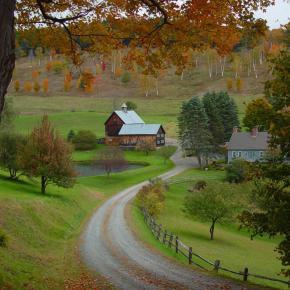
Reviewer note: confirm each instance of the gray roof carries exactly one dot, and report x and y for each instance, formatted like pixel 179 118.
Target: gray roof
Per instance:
pixel 129 117
pixel 139 129
pixel 245 141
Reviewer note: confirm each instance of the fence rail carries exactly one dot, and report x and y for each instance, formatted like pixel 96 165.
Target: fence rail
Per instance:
pixel 173 242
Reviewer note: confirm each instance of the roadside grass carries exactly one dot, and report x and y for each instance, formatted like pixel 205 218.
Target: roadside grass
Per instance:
pixel 233 247
pixel 44 230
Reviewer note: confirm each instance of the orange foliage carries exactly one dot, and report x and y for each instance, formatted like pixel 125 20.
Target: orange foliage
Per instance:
pixel 67 82
pixel 35 74
pixel 239 84
pixel 45 84
pixel 118 72
pixel 49 66
pixel 86 82
pixel 17 86
pixel 27 87
pixel 36 86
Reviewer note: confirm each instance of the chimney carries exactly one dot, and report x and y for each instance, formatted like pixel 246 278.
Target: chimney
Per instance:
pixel 235 129
pixel 254 132
pixel 124 108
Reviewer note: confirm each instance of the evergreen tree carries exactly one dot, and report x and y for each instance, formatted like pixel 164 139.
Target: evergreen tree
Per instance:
pixel 194 135
pixel 228 113
pixel 216 125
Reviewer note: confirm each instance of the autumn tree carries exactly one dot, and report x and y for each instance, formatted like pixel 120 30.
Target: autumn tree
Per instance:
pixel 110 159
pixel 169 27
pixel 48 156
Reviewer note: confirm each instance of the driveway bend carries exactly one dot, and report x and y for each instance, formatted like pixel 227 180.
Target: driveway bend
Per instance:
pixel 110 248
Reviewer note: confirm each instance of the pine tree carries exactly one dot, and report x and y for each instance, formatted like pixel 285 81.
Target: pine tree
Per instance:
pixel 216 125
pixel 228 113
pixel 194 135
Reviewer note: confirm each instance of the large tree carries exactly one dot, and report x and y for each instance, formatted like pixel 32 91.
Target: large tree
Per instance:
pixel 48 156
pixel 161 28
pixel 194 135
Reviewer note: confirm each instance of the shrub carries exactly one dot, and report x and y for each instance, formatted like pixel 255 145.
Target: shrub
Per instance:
pixel 84 140
pixel 27 87
pixel 237 171
pixel 118 72
pixel 36 87
pixel 86 82
pixel 200 184
pixel 17 86
pixel 126 77
pixel 67 82
pixel 58 66
pixel 71 134
pixel 229 84
pixel 45 84
pixel 3 240
pixel 151 197
pixel 131 106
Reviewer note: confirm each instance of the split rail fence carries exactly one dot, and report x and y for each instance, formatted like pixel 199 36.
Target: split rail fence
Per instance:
pixel 173 242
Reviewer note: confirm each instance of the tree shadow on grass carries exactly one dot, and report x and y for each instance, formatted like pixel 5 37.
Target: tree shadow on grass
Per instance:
pixel 29 187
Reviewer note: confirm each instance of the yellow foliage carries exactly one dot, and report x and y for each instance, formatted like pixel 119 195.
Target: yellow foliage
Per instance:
pixel 229 84
pixel 36 86
pixel 17 86
pixel 45 84
pixel 27 87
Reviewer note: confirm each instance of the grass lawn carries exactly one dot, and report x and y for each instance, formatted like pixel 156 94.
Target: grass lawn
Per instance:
pixel 43 230
pixel 233 247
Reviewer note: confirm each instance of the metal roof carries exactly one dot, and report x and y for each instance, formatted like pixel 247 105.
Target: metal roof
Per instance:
pixel 245 141
pixel 129 117
pixel 139 129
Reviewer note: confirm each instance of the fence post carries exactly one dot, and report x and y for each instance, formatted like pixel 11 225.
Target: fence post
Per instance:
pixel 170 240
pixel 164 236
pixel 176 244
pixel 190 255
pixel 217 264
pixel 245 275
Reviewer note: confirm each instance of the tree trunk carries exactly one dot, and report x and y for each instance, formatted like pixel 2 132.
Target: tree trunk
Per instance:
pixel 211 230
pixel 7 47
pixel 43 184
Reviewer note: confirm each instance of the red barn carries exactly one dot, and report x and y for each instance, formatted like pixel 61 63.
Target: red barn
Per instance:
pixel 126 128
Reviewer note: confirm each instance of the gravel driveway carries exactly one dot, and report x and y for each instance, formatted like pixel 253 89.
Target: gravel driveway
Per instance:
pixel 110 248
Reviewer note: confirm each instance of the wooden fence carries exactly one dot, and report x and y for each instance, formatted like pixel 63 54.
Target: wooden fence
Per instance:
pixel 173 242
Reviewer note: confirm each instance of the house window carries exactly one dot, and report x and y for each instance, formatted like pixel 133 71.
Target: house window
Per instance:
pixel 261 154
pixel 162 141
pixel 158 135
pixel 158 142
pixel 162 135
pixel 237 154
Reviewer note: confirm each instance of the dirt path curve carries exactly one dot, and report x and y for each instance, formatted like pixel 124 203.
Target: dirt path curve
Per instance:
pixel 110 248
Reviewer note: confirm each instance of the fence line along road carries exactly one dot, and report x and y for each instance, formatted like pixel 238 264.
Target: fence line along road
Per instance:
pixel 173 242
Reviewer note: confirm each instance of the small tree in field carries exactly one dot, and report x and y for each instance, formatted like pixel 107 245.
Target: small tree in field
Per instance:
pixel 9 150
pixel 213 204
pixel 45 84
pixel 166 152
pixel 131 106
pixel 145 146
pixel 48 156
pixel 111 158
pixel 36 86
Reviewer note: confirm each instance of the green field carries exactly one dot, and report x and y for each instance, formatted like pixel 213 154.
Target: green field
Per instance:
pixel 234 248
pixel 43 230
pixel 76 113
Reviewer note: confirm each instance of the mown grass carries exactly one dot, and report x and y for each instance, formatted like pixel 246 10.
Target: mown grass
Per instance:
pixel 43 230
pixel 233 247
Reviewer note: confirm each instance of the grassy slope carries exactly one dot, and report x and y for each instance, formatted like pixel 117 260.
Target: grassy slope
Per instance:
pixel 234 248
pixel 43 231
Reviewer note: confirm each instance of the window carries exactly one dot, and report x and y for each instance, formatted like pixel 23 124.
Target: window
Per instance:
pixel 158 142
pixel 237 154
pixel 159 135
pixel 261 154
pixel 162 141
pixel 163 135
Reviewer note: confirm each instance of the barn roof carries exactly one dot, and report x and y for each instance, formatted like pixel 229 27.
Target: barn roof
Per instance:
pixel 139 129
pixel 129 117
pixel 246 141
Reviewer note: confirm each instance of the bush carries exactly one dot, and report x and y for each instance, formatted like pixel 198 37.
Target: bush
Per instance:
pixel 70 136
pixel 229 84
pixel 3 240
pixel 126 77
pixel 36 87
pixel 200 184
pixel 58 66
pixel 45 84
pixel 237 171
pixel 151 197
pixel 27 87
pixel 84 140
pixel 239 84
pixel 131 106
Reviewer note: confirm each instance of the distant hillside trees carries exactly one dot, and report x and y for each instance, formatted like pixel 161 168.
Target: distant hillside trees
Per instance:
pixel 48 156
